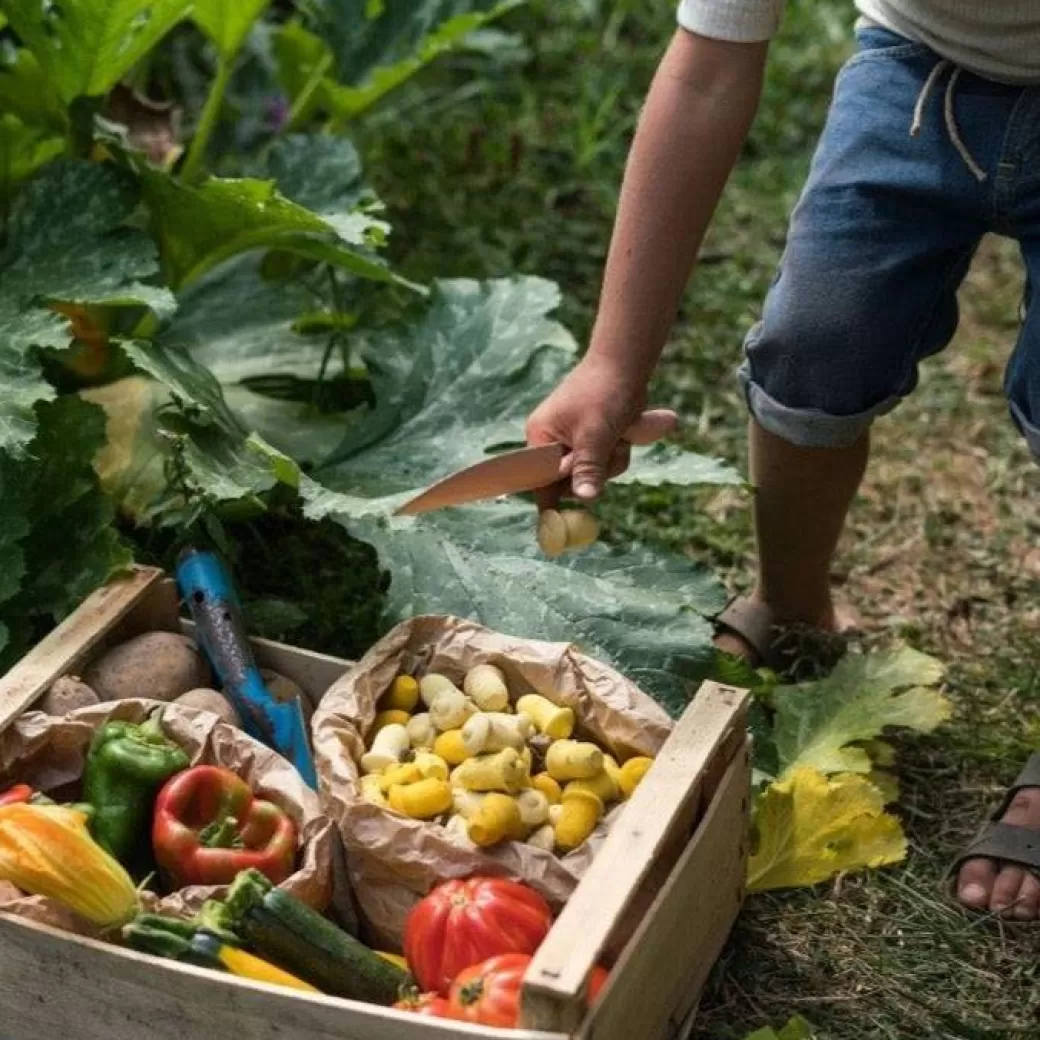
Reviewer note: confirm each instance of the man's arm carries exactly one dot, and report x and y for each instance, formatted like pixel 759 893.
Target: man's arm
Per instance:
pixel 696 118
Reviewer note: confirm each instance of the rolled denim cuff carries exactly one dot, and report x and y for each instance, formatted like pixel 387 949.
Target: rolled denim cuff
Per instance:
pixel 809 427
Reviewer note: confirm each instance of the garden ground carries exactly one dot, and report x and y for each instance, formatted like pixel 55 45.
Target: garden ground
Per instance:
pixel 942 547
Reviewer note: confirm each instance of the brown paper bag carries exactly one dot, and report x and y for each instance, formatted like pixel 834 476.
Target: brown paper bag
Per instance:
pixel 49 753
pixel 393 860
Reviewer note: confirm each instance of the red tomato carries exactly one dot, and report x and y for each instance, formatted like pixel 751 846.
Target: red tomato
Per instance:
pixel 432 1004
pixel 461 923
pixel 489 993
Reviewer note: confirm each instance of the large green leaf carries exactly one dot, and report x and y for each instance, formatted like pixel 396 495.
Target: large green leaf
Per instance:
pixel 57 542
pixel 23 151
pixel 865 694
pixel 200 226
pixel 87 46
pixel 227 22
pixel 349 62
pixel 452 386
pixel 67 244
pixel 26 92
pixel 643 611
pixel 463 381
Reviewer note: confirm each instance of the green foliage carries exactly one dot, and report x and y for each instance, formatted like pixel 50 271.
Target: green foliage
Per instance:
pixel 85 47
pixel 67 244
pixel 227 22
pixel 796 1029
pixel 57 542
pixel 865 694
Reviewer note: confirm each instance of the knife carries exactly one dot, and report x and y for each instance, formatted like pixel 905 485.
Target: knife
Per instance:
pixel 527 469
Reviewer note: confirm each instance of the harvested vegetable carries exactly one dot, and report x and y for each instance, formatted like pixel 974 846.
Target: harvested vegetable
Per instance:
pixel 432 1004
pixel 573 760
pixel 184 941
pixel 452 747
pixel 392 717
pixel 548 786
pixel 582 528
pixel 46 850
pixel 126 766
pixel 495 820
pixel 489 993
pixel 213 702
pixel 433 684
pixel 157 665
pixel 579 812
pixel 552 533
pixel 632 772
pixel 450 709
pixel 403 695
pixel 17 795
pixel 485 685
pixel 209 827
pixel 461 923
pixel 67 694
pixel 503 771
pixel 431 766
pixel 389 747
pixel 554 720
pixel 422 800
pixel 422 733
pixel 298 939
pixel 399 773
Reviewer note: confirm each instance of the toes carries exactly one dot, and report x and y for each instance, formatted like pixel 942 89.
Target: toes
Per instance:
pixel 975 883
pixel 1027 905
pixel 1005 890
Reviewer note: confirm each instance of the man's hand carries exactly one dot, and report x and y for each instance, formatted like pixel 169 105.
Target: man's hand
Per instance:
pixel 589 412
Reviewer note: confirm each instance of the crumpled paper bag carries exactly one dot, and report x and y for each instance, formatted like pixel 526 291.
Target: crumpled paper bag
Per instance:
pixel 49 753
pixel 393 860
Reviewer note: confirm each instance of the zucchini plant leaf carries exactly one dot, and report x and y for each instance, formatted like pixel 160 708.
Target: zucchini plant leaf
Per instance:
pixel 68 244
pixel 345 62
pixel 810 827
pixel 461 382
pixel 644 611
pixel 24 149
pixel 57 542
pixel 85 47
pixel 26 92
pixel 865 694
pixel 227 22
pixel 796 1029
pixel 200 226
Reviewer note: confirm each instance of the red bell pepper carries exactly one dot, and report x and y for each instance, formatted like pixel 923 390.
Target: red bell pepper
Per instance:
pixel 209 827
pixel 16 795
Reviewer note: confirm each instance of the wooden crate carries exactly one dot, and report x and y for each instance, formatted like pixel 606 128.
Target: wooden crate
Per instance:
pixel 661 896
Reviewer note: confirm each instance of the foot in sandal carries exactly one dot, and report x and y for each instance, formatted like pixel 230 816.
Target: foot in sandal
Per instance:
pixel 999 872
pixel 747 628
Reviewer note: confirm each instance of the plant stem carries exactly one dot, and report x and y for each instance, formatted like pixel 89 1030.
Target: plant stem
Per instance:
pixel 207 121
pixel 303 99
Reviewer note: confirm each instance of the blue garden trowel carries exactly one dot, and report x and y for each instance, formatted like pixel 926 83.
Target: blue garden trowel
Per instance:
pixel 205 585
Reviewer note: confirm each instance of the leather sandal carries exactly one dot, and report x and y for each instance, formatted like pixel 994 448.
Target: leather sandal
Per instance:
pixel 752 622
pixel 1006 843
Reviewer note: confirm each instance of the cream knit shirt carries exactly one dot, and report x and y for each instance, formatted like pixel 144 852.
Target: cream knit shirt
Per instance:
pixel 997 39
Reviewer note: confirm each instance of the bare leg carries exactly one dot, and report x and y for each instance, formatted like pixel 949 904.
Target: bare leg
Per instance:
pixel 802 498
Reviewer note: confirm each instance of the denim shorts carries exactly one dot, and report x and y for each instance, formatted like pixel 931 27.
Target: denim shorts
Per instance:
pixel 884 234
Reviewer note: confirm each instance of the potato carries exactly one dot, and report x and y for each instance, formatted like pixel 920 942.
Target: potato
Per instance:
pixel 210 700
pixel 157 665
pixel 284 689
pixel 67 694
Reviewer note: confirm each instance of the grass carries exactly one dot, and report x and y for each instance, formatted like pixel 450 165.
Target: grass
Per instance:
pixel 521 173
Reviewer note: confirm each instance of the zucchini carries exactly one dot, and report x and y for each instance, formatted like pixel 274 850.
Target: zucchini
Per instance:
pixel 291 935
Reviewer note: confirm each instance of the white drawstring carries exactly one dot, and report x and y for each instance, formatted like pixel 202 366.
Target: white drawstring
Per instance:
pixel 951 119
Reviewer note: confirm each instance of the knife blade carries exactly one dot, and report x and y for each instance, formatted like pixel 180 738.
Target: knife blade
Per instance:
pixel 526 469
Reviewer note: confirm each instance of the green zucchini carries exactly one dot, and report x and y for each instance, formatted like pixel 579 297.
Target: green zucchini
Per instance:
pixel 299 940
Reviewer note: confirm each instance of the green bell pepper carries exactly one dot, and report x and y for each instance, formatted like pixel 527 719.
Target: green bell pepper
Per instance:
pixel 126 766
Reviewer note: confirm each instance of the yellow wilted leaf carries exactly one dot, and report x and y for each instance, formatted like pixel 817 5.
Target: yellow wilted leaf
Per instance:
pixel 811 827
